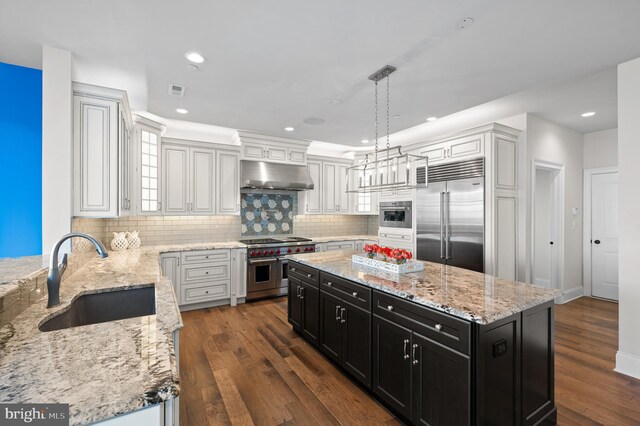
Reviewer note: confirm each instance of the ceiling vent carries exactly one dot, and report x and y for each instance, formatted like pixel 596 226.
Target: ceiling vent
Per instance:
pixel 176 90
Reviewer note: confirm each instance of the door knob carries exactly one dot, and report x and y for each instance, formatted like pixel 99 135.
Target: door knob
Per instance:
pixel 597 241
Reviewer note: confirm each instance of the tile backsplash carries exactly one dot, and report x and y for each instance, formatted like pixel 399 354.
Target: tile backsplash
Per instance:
pixel 266 214
pixel 158 230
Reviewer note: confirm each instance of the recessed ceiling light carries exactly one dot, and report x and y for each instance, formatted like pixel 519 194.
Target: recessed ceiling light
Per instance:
pixel 365 141
pixel 589 114
pixel 289 129
pixel 181 111
pixel 194 57
pixel 430 119
pixel 465 23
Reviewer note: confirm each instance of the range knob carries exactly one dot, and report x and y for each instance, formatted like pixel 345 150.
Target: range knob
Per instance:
pixel 312 249
pixel 266 252
pixel 288 250
pixel 306 249
pixel 253 253
pixel 297 250
pixel 271 252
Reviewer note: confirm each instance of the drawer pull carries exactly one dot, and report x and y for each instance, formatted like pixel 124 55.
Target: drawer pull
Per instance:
pixel 337 313
pixel 342 319
pixel 206 291
pixel 413 354
pixel 207 257
pixel 389 308
pixel 308 275
pixel 206 273
pixel 301 292
pixel 406 352
pixel 355 294
pixel 293 269
pixel 329 283
pixel 439 327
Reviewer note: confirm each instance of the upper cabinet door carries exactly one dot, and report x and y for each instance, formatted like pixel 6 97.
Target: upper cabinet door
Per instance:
pixel 329 186
pixel 344 198
pixel 95 138
pixel 297 156
pixel 202 174
pixel 276 153
pixel 175 166
pixel 313 198
pixel 228 183
pixel 254 151
pixel 126 181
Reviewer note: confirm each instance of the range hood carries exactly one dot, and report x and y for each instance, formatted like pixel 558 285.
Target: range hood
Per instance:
pixel 263 175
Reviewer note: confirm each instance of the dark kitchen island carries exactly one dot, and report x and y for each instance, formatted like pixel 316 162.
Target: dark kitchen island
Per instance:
pixel 444 346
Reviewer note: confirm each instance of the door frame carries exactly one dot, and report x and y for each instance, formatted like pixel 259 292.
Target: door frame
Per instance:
pixel 586 224
pixel 557 221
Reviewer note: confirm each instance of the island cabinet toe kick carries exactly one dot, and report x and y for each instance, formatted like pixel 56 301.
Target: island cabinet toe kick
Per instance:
pixel 429 367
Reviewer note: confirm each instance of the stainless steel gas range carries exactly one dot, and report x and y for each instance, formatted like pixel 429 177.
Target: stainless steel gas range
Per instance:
pixel 267 269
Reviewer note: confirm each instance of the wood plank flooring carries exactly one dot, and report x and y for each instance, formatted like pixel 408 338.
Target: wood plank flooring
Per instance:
pixel 244 365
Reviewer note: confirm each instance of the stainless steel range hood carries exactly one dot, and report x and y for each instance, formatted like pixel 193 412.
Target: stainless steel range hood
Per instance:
pixel 263 175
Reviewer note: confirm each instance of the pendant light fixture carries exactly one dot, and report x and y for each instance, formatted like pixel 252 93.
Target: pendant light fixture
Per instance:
pixel 388 168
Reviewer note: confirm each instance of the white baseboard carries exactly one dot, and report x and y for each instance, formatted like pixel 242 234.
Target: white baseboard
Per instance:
pixel 569 295
pixel 542 282
pixel 628 364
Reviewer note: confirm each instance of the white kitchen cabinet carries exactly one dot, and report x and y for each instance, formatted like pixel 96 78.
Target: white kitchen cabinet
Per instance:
pixel 340 245
pixel 101 151
pixel 396 238
pixel 228 183
pixel 147 165
pixel 188 180
pixel 330 187
pixel 170 267
pixel 238 275
pixel 343 196
pixel 457 149
pixel 275 149
pixel 320 247
pixel 312 199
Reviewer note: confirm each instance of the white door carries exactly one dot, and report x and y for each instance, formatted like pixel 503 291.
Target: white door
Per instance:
pixel 228 183
pixel 313 198
pixel 202 181
pixel 175 165
pixel 604 235
pixel 343 196
pixel 329 186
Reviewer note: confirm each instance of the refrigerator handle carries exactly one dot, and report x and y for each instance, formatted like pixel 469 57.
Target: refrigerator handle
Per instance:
pixel 446 225
pixel 441 225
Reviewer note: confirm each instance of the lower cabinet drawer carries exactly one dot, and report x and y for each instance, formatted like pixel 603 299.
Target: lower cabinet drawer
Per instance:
pixel 215 271
pixel 201 256
pixel 204 292
pixel 351 292
pixel 440 327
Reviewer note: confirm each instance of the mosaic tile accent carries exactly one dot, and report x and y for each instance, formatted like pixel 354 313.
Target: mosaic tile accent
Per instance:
pixel 266 214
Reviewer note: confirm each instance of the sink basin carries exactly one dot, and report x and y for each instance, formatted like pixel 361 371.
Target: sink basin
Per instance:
pixel 104 307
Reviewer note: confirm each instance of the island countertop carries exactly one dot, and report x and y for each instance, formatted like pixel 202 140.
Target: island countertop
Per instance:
pixel 469 295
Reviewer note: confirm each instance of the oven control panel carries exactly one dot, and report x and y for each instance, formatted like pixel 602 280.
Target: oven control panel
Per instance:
pixel 281 251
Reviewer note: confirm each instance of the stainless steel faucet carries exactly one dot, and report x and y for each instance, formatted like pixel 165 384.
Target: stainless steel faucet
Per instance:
pixel 56 270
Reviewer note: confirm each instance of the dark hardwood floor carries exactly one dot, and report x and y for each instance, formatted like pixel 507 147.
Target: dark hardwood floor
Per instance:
pixel 244 365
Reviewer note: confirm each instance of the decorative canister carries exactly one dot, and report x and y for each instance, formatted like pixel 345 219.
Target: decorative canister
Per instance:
pixel 119 241
pixel 134 239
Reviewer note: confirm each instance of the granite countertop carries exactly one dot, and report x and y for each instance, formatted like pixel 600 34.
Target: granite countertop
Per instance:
pixel 14 270
pixel 469 295
pixel 101 370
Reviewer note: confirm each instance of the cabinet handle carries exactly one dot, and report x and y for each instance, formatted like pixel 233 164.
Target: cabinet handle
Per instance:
pixel 406 351
pixel 206 273
pixel 308 275
pixel 413 354
pixel 329 283
pixel 355 294
pixel 298 291
pixel 301 292
pixel 389 308
pixel 337 313
pixel 293 269
pixel 159 205
pixel 342 319
pixel 439 327
pixel 238 206
pixel 206 291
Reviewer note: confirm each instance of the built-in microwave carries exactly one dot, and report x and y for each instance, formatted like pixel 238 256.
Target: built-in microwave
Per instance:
pixel 395 214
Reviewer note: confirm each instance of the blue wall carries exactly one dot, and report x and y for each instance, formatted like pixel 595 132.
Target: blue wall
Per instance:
pixel 20 161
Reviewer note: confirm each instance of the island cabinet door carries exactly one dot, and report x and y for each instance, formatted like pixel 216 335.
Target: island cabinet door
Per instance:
pixel 356 344
pixel 392 365
pixel 330 326
pixel 441 384
pixel 294 305
pixel 310 299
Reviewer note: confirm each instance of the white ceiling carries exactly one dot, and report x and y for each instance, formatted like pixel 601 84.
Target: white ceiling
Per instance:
pixel 272 64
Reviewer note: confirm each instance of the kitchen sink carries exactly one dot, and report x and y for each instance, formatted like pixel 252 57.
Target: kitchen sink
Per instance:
pixel 104 307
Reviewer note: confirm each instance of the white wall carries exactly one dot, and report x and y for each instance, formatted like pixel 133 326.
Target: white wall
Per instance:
pixel 628 357
pixel 601 149
pixel 548 141
pixel 57 109
pixel 542 220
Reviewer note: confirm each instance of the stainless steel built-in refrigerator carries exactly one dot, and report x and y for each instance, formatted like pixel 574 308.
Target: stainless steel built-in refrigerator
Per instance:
pixel 450 215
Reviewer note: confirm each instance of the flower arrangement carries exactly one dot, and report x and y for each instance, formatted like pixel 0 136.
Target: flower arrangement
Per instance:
pixel 387 254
